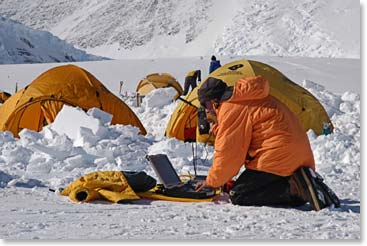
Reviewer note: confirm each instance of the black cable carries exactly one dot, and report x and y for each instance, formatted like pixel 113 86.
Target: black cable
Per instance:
pixel 193 157
pixel 187 102
pixel 196 157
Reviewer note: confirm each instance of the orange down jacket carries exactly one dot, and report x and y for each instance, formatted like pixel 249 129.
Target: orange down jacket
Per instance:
pixel 257 130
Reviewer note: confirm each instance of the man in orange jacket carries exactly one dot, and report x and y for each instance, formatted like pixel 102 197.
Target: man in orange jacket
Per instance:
pixel 257 131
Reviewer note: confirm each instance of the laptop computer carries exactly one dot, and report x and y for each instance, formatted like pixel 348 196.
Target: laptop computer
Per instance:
pixel 172 184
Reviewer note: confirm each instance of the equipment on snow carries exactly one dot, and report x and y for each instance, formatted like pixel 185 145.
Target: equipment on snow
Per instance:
pixel 203 123
pixel 172 185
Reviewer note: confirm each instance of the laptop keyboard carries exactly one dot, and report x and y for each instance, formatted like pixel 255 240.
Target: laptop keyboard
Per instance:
pixel 187 190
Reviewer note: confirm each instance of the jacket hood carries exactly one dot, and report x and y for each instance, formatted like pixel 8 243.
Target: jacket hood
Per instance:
pixel 250 89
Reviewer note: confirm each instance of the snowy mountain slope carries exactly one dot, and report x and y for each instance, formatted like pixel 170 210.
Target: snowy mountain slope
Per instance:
pixel 294 28
pixel 21 44
pixel 161 28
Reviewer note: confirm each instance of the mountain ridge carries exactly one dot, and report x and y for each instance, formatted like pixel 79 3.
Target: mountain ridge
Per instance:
pixel 21 44
pixel 161 28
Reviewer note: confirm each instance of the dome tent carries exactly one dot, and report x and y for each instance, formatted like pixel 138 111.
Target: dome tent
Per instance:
pixel 4 96
pixel 157 80
pixel 38 103
pixel 308 109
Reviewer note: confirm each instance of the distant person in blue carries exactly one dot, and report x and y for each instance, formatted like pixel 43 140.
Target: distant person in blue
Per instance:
pixel 214 64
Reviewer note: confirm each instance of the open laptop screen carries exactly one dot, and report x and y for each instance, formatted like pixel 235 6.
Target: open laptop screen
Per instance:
pixel 164 170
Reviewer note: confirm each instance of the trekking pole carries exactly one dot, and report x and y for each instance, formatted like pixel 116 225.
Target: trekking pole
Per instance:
pixel 121 84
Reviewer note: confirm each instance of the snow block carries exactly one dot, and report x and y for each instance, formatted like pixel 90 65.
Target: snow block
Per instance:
pixel 102 116
pixel 70 119
pixel 86 137
pixel 159 97
pixel 27 136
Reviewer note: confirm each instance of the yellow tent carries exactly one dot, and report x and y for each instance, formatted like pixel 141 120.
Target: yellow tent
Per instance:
pixel 311 113
pixel 4 96
pixel 38 104
pixel 158 80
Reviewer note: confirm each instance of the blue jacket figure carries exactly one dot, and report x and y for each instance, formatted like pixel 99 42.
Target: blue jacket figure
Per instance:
pixel 214 64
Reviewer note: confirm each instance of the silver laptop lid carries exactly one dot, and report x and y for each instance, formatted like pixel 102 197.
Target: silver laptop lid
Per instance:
pixel 164 170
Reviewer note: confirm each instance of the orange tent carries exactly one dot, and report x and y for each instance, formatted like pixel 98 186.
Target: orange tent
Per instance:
pixel 38 103
pixel 158 80
pixel 4 96
pixel 183 122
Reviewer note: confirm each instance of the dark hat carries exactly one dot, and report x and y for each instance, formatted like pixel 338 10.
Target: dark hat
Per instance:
pixel 214 58
pixel 214 88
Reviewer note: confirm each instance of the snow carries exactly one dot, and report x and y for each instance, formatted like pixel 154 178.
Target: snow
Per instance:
pixel 21 44
pixel 298 69
pixel 65 122
pixel 314 43
pixel 156 29
pixel 80 142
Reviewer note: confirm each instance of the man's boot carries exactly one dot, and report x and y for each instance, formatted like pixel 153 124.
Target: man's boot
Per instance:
pixel 303 184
